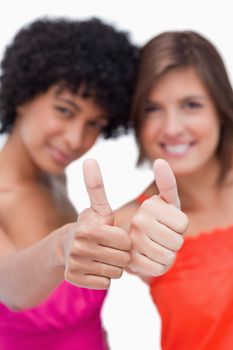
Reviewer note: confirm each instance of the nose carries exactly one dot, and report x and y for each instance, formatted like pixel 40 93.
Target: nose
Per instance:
pixel 74 135
pixel 173 124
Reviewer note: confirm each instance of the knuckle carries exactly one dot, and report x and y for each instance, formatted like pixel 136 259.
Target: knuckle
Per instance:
pixel 166 268
pixel 127 242
pixel 164 256
pixel 179 242
pixel 72 266
pixel 183 222
pixel 175 242
pixel 133 267
pixel 117 273
pixel 124 239
pixel 169 258
pixel 151 202
pixel 135 245
pixel 80 229
pixel 137 220
pixel 125 261
pixel 77 249
pixel 134 264
pixel 87 231
pixel 158 270
pixel 104 283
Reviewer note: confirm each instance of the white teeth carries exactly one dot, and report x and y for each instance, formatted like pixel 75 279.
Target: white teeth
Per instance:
pixel 177 149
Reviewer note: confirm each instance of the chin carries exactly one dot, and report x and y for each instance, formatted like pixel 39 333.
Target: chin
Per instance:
pixel 184 169
pixel 57 170
pixel 52 169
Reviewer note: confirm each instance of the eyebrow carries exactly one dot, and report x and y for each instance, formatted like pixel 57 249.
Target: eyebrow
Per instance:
pixel 69 102
pixel 199 97
pixel 77 107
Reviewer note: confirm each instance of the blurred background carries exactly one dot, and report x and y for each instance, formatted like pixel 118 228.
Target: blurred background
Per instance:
pixel 129 316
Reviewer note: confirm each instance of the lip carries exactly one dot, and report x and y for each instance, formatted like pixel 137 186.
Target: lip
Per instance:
pixel 177 150
pixel 59 156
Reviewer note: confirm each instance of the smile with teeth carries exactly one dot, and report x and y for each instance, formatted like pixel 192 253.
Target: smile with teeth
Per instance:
pixel 179 149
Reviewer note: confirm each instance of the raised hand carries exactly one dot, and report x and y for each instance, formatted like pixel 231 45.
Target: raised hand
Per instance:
pixel 157 227
pixel 98 251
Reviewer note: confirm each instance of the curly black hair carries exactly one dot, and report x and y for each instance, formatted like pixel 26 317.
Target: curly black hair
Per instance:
pixel 74 53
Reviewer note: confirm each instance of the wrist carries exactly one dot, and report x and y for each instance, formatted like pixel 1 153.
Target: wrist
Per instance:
pixel 59 250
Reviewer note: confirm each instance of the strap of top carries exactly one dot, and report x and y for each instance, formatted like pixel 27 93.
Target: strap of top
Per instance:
pixel 140 199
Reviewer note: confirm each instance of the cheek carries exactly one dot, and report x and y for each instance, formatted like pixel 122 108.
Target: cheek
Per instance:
pixel 149 132
pixel 210 132
pixel 89 141
pixel 36 136
pixel 28 131
pixel 37 125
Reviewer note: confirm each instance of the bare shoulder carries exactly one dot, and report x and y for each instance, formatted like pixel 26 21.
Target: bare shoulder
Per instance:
pixel 28 214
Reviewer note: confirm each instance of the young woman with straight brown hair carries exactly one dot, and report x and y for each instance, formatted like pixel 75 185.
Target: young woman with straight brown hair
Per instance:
pixel 183 113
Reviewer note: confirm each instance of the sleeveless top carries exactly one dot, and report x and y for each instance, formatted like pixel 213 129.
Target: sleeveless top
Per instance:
pixel 195 297
pixel 69 319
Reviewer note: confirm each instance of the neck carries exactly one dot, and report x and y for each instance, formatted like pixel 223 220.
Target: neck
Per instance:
pixel 197 190
pixel 16 163
pixel 201 188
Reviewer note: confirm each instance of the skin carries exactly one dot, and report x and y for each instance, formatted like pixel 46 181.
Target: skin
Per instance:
pixel 182 126
pixel 51 131
pixel 178 120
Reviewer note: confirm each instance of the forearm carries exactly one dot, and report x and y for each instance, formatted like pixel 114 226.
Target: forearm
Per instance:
pixel 28 276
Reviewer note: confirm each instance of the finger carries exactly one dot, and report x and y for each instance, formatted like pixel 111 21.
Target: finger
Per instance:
pixel 166 182
pixel 113 237
pixel 166 237
pixel 104 255
pixel 95 188
pixel 95 268
pixel 155 210
pixel 154 251
pixel 89 281
pixel 112 257
pixel 140 263
pixel 104 270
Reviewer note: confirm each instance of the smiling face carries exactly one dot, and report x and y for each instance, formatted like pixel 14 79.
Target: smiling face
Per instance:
pixel 58 127
pixel 180 122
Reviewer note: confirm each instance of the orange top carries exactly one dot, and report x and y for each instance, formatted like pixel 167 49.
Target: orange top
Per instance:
pixel 195 297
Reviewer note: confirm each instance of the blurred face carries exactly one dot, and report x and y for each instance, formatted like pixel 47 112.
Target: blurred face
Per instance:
pixel 58 127
pixel 180 123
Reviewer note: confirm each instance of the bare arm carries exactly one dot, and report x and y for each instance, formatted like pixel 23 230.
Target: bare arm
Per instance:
pixel 87 253
pixel 37 268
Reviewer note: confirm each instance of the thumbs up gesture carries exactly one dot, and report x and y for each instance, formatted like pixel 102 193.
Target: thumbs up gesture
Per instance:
pixel 157 227
pixel 98 251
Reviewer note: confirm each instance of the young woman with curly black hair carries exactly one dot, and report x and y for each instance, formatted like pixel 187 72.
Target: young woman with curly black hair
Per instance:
pixel 63 83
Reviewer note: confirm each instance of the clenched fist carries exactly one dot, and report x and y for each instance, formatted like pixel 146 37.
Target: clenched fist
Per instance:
pixel 96 251
pixel 156 229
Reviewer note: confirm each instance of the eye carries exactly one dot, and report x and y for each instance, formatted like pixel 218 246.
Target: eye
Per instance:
pixel 150 108
pixel 192 105
pixel 97 125
pixel 64 111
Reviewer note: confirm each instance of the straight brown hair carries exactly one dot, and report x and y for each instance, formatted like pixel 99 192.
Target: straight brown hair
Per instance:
pixel 182 49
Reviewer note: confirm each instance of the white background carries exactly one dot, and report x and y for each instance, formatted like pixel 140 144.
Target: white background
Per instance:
pixel 129 315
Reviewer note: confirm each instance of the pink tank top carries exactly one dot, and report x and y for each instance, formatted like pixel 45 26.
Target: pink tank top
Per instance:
pixel 68 320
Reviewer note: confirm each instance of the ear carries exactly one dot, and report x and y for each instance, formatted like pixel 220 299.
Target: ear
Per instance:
pixel 20 110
